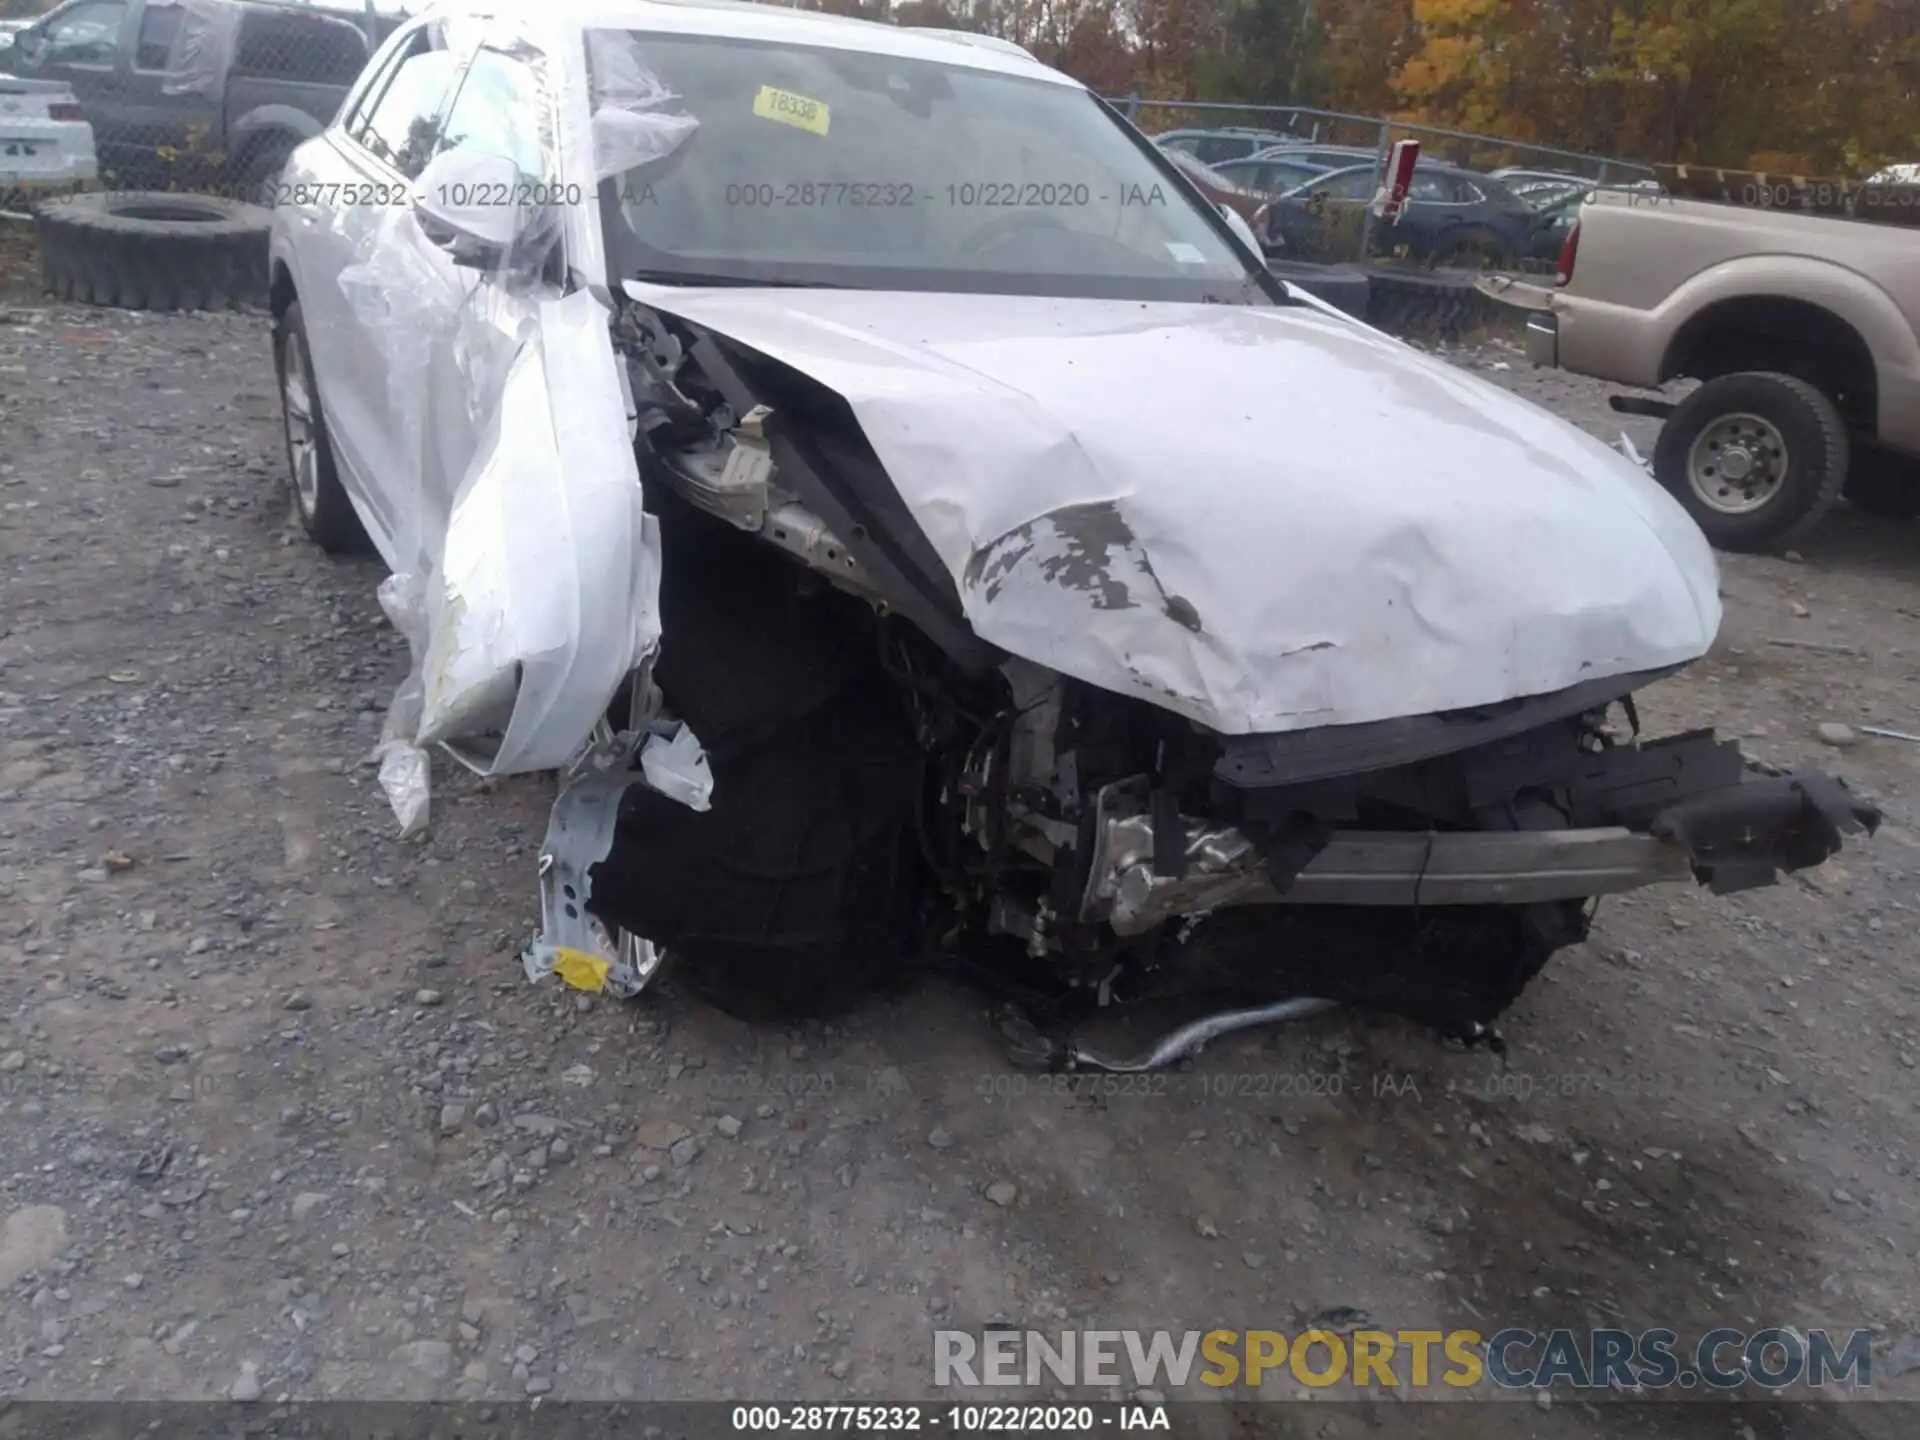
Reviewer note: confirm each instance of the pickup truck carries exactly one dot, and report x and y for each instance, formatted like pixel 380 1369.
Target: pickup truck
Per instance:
pixel 232 84
pixel 1801 327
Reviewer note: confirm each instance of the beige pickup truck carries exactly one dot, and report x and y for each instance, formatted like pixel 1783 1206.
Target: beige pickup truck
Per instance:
pixel 1802 328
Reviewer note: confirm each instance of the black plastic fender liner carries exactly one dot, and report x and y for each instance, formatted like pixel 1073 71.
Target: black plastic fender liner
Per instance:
pixel 796 891
pixel 1741 837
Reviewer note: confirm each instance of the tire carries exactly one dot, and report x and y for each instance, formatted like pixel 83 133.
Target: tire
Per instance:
pixel 1883 484
pixel 797 894
pixel 322 506
pixel 149 250
pixel 1783 426
pixel 261 167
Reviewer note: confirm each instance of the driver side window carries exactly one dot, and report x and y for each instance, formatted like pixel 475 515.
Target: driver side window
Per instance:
pixel 87 34
pixel 499 111
pixel 401 125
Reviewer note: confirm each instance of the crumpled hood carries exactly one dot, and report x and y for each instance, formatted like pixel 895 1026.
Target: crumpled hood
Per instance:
pixel 1265 519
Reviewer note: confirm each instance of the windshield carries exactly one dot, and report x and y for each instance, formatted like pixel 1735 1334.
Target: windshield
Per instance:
pixel 755 163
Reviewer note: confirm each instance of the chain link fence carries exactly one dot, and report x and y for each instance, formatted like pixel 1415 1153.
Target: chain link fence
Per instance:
pixel 200 97
pixel 205 100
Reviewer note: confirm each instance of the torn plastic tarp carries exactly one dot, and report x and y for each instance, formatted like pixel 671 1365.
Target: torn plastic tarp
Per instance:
pixel 547 586
pixel 538 594
pixel 525 570
pixel 203 49
pixel 1311 524
pixel 632 125
pixel 677 768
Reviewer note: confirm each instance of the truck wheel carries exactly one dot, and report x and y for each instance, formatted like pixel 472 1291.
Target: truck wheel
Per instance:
pixel 319 499
pixel 1755 458
pixel 1883 484
pixel 149 250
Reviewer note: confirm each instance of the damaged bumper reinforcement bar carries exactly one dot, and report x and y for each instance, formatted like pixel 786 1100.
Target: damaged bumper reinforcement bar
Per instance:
pixel 1730 840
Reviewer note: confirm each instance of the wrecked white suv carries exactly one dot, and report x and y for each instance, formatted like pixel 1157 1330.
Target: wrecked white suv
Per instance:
pixel 917 524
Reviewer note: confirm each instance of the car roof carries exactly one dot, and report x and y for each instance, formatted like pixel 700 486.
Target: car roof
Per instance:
pixel 1233 130
pixel 1275 157
pixel 743 20
pixel 1280 152
pixel 1422 167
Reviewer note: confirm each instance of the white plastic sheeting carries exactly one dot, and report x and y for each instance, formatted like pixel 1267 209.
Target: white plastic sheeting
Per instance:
pixel 525 570
pixel 547 586
pixel 633 122
pixel 1264 519
pixel 530 597
pixel 203 48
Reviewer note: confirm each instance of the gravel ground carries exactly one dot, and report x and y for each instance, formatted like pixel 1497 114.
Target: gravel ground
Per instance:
pixel 280 1115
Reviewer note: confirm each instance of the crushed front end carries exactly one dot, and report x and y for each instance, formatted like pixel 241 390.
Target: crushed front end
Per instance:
pixel 1427 866
pixel 900 761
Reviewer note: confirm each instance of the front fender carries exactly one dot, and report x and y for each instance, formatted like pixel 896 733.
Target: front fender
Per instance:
pixel 1844 293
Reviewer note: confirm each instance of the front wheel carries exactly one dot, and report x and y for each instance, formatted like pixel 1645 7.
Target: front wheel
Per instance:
pixel 319 499
pixel 1756 458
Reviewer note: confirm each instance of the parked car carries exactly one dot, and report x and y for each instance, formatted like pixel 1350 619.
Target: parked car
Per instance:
pixel 1540 188
pixel 44 139
pixel 199 93
pixel 1804 329
pixel 1554 216
pixel 1451 217
pixel 1273 174
pixel 1229 142
pixel 1249 204
pixel 1327 157
pixel 854 571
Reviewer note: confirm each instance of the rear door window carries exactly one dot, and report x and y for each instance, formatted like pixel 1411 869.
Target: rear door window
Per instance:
pixel 1434 189
pixel 1354 185
pixel 310 49
pixel 159 26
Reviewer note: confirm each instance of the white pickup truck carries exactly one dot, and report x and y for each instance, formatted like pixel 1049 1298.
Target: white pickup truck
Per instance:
pixel 1801 326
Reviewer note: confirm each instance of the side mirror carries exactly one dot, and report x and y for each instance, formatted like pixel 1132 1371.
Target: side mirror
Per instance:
pixel 468 203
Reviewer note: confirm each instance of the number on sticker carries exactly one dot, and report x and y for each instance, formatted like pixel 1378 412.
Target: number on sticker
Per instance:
pixel 790 109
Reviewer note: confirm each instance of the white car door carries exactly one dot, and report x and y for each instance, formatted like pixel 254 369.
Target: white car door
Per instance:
pixel 349 199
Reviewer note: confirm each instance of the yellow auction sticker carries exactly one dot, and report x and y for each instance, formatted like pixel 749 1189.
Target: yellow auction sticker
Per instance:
pixel 785 108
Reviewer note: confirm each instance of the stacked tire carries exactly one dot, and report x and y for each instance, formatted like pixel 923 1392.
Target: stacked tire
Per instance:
pixel 151 250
